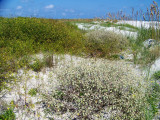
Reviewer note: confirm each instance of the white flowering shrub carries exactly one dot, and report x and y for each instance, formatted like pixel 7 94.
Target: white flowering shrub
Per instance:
pixel 88 87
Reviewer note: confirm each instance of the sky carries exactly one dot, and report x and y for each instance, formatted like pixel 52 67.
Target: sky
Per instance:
pixel 69 9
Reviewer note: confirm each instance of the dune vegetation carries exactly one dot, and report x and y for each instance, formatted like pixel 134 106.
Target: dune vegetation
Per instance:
pixel 96 77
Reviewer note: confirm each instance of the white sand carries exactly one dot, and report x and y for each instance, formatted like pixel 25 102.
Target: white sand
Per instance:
pixel 139 24
pixel 98 27
pixel 155 66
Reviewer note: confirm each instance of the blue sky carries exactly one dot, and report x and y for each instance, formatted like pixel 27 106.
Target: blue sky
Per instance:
pixel 69 8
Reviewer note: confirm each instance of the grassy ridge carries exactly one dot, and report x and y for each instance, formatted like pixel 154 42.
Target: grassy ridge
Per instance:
pixel 24 36
pixel 40 31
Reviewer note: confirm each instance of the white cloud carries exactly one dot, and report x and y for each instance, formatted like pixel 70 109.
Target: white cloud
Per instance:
pixel 141 5
pixel 64 14
pixel 81 14
pixel 24 0
pixel 4 9
pixel 49 6
pixel 19 7
pixel 72 11
pixel 124 7
pixel 69 10
pixel 35 12
pixel 66 10
pixel 19 13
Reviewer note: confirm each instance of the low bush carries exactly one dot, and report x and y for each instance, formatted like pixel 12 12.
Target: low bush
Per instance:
pixel 147 56
pixel 102 43
pixel 91 87
pixel 32 92
pixel 8 115
pixel 153 97
pixel 156 75
pixel 37 65
pixel 48 60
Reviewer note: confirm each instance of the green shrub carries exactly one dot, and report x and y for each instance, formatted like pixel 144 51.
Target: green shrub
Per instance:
pixel 24 61
pixel 32 92
pixel 156 75
pixel 41 32
pixel 102 43
pixel 114 57
pixel 153 97
pixel 90 87
pixel 8 115
pixel 48 60
pixel 37 65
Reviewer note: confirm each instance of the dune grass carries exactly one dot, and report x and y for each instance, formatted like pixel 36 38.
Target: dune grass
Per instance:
pixel 144 55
